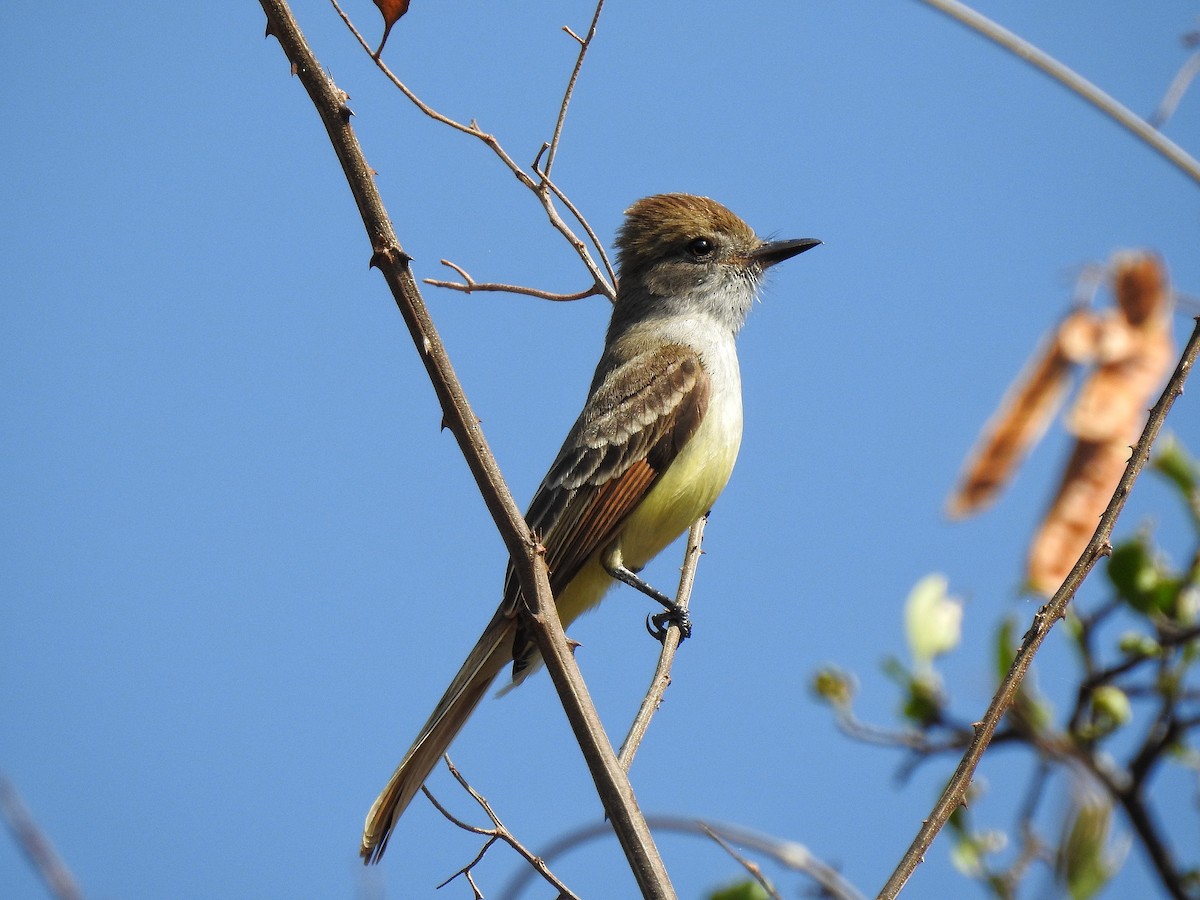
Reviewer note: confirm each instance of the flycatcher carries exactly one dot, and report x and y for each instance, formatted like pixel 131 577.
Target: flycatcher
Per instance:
pixel 652 449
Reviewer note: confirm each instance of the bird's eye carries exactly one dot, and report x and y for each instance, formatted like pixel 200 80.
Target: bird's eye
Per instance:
pixel 701 248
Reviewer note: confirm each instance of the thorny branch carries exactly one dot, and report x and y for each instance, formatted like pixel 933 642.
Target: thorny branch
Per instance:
pixel 389 257
pixel 1043 621
pixel 543 188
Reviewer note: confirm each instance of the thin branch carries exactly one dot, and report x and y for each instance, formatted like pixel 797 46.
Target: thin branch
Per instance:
pixel 36 845
pixel 1175 91
pixel 750 866
pixel 584 44
pixel 587 228
pixel 789 854
pixel 1072 81
pixel 1151 838
pixel 493 143
pixel 662 673
pixel 498 832
pixel 906 738
pixel 526 554
pixel 469 285
pixel 1043 621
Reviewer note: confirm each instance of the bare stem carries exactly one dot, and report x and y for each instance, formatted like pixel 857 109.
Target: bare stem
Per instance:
pixel 498 832
pixel 36 846
pixel 791 855
pixel 1071 80
pixel 1175 91
pixel 749 865
pixel 1043 621
pixel 584 44
pixel 538 188
pixel 662 673
pixel 527 556
pixel 469 285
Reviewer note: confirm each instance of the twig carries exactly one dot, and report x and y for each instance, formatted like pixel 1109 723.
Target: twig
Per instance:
pixel 1072 81
pixel 584 44
pixel 498 832
pixel 36 845
pixel 490 140
pixel 662 673
pixel 1043 621
pixel 1151 838
pixel 527 556
pixel 469 284
pixel 1175 91
pixel 789 854
pixel 907 738
pixel 750 866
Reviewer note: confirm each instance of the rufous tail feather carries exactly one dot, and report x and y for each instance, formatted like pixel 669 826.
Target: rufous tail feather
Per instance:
pixel 490 655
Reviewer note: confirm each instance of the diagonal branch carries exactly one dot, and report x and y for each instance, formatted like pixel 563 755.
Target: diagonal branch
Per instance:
pixel 528 558
pixel 36 846
pixel 1071 80
pixel 662 673
pixel 584 44
pixel 1043 621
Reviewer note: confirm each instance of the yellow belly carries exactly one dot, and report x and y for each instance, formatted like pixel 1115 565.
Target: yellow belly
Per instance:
pixel 687 490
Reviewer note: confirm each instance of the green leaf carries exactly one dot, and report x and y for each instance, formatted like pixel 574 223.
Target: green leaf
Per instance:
pixel 1132 571
pixel 1083 862
pixel 923 705
pixel 741 890
pixel 1134 643
pixel 1110 709
pixel 1171 460
pixel 1006 647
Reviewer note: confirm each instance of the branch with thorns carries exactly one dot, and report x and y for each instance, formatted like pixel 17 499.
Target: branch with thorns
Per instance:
pixel 602 273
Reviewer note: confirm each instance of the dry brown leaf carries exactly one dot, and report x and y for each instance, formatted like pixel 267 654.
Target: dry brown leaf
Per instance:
pixel 1141 285
pixel 392 11
pixel 1131 349
pixel 1023 415
pixel 1083 494
pixel 1134 351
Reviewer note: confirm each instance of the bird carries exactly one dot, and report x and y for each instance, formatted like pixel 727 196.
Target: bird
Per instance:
pixel 652 449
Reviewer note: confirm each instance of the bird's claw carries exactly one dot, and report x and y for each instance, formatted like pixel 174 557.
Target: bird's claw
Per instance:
pixel 657 625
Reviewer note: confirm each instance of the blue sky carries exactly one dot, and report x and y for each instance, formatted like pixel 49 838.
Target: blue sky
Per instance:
pixel 238 559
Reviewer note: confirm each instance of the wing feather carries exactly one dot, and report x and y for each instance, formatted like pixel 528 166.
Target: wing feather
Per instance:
pixel 632 428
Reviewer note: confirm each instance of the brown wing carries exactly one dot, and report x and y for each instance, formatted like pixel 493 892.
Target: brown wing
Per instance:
pixel 632 428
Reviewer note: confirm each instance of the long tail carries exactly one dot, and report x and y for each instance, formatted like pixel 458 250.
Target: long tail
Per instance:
pixel 488 657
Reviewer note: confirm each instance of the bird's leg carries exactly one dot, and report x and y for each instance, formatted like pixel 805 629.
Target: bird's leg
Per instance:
pixel 656 625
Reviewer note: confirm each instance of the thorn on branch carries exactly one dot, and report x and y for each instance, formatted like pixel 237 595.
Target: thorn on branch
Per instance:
pixel 385 255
